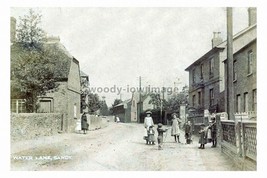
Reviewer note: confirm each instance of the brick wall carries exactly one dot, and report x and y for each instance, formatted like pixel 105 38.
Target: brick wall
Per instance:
pixel 26 126
pixel 245 82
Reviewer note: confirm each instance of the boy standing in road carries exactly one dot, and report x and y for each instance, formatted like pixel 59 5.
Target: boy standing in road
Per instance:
pixel 160 135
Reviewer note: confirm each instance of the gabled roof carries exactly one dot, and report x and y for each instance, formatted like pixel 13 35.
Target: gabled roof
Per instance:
pixel 62 60
pixel 124 102
pixel 82 74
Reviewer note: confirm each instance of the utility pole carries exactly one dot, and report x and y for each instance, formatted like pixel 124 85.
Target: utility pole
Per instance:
pixel 140 99
pixel 229 65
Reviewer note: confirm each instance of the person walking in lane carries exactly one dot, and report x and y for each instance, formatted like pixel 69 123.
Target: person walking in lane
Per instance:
pixel 175 129
pixel 84 123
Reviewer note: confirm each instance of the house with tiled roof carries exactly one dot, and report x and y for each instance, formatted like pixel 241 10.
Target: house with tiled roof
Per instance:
pixel 66 99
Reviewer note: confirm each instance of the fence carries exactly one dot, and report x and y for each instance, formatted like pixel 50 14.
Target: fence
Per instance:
pixel 239 141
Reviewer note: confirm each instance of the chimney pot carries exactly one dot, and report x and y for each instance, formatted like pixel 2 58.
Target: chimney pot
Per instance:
pixel 252 16
pixel 216 40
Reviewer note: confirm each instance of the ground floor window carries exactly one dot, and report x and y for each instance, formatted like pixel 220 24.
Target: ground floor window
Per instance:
pixel 18 105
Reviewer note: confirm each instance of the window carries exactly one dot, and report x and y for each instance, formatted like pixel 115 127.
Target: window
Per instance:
pixel 194 100
pixel 234 71
pixel 211 66
pixel 238 102
pixel 250 57
pixel 211 97
pixel 201 71
pixel 18 105
pixel 254 96
pixel 199 98
pixel 246 102
pixel 193 76
pixel 133 103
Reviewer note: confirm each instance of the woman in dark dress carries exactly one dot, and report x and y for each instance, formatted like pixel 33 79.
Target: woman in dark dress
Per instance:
pixel 84 123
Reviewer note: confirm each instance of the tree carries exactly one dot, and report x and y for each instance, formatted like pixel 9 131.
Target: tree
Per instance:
pixel 173 104
pixel 29 33
pixel 32 63
pixel 94 103
pixel 157 101
pixel 104 108
pixel 116 102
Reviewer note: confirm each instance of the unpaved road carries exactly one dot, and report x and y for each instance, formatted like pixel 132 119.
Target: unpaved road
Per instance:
pixel 118 147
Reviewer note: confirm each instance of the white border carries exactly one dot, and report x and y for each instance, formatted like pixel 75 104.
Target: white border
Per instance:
pixel 5 66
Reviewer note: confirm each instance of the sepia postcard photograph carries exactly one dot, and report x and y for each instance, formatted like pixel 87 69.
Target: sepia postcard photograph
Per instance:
pixel 133 88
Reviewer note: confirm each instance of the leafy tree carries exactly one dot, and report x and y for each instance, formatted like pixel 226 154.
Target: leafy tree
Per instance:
pixel 116 102
pixel 29 33
pixel 94 103
pixel 33 64
pixel 104 108
pixel 157 101
pixel 173 104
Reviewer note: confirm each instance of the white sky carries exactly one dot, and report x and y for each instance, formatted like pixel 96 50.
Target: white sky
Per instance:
pixel 117 45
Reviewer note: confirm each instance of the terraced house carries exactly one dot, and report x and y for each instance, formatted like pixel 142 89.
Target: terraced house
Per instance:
pixel 208 79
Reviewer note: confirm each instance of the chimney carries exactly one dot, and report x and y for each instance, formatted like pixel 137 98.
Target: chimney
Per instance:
pixel 12 29
pixel 252 16
pixel 216 40
pixel 52 39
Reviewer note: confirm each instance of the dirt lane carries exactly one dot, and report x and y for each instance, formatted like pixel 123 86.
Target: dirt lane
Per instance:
pixel 118 147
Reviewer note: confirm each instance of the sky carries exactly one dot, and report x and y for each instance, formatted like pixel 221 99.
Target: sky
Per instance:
pixel 116 45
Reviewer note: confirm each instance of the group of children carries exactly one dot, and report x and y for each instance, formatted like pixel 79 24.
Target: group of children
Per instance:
pixel 150 139
pixel 203 139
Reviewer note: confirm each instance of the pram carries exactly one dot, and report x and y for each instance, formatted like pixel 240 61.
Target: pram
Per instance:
pixel 150 138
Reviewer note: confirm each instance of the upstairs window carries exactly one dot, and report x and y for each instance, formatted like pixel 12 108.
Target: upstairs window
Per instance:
pixel 234 71
pixel 211 67
pixel 193 76
pixel 250 58
pixel 201 71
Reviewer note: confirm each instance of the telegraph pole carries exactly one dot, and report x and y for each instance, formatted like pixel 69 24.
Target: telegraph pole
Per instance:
pixel 140 99
pixel 229 65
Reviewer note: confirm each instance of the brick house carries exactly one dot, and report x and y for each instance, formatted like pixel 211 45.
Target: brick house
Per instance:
pixel 67 97
pixel 243 70
pixel 206 79
pixel 207 75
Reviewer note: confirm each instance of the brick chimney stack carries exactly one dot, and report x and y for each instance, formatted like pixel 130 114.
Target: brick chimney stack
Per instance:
pixel 216 40
pixel 252 16
pixel 12 29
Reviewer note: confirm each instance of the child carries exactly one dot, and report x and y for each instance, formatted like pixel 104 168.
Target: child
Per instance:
pixel 160 135
pixel 150 134
pixel 203 136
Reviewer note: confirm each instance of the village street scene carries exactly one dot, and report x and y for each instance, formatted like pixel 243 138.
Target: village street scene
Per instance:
pixel 133 89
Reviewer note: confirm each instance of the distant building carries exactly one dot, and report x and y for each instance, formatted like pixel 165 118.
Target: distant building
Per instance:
pixel 123 111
